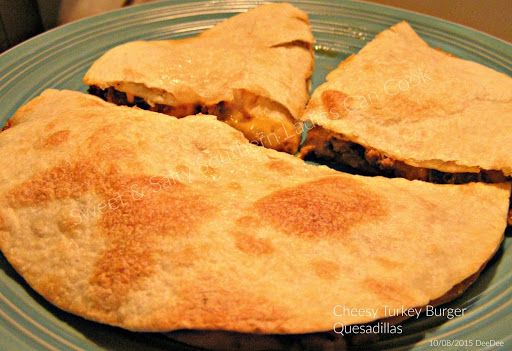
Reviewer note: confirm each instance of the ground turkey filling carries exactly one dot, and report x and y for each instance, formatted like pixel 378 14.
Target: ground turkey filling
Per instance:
pixel 322 145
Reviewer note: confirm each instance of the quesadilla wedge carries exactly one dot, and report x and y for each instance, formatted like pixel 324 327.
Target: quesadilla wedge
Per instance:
pixel 252 71
pixel 400 108
pixel 152 223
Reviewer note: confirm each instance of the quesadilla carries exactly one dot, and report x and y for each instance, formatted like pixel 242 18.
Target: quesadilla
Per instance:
pixel 252 71
pixel 400 108
pixel 152 223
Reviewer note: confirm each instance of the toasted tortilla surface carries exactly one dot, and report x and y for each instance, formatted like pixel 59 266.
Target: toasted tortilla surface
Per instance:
pixel 151 223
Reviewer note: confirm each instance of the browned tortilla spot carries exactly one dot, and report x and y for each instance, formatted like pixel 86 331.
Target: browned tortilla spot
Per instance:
pixel 68 224
pixel 235 186
pixel 387 263
pixel 389 291
pixel 136 212
pixel 40 228
pixel 253 245
pixel 51 125
pixel 345 201
pixel 61 182
pixel 325 269
pixel 188 255
pixel 107 147
pixel 209 171
pixel 135 227
pixel 182 169
pixel 334 102
pixel 56 138
pixel 247 222
pixel 280 166
pixel 122 266
pixel 52 285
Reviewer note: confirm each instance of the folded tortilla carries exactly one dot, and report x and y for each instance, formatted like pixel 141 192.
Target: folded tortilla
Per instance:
pixel 152 223
pixel 402 108
pixel 252 71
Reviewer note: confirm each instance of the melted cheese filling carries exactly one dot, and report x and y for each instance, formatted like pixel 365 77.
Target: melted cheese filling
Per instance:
pixel 261 120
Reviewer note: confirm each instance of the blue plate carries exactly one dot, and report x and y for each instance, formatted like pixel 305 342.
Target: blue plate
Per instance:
pixel 59 59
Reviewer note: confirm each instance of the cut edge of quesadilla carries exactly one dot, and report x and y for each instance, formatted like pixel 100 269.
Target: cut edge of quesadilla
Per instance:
pixel 262 121
pixel 341 150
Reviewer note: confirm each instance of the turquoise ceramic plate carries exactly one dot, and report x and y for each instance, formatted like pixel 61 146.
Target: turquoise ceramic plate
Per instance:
pixel 59 59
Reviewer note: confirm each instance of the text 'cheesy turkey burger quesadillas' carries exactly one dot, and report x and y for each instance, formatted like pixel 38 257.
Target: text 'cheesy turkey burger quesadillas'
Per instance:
pixel 152 223
pixel 252 71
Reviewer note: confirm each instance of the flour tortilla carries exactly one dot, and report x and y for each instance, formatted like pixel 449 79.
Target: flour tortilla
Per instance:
pixel 151 223
pixel 264 54
pixel 419 105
